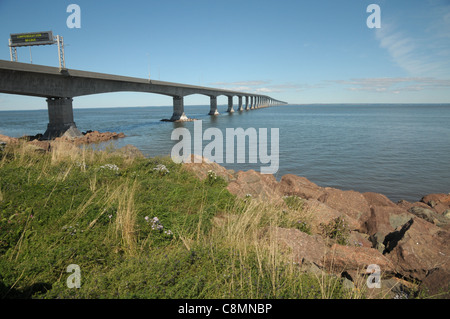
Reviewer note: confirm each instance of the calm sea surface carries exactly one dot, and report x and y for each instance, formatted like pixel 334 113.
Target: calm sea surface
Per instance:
pixel 402 151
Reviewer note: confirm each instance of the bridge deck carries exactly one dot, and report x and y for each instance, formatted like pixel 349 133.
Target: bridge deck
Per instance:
pixel 59 86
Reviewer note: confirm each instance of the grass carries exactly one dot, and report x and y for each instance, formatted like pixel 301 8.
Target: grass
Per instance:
pixel 96 209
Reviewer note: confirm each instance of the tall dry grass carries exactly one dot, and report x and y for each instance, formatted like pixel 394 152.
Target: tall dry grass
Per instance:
pixel 253 233
pixel 125 222
pixel 250 233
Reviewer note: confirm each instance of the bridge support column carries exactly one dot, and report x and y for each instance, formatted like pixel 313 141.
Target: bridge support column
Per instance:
pixel 178 109
pixel 240 103
pixel 252 99
pixel 230 104
pixel 213 110
pixel 60 116
pixel 246 103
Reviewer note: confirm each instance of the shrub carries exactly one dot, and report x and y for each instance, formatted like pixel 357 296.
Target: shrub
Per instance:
pixel 337 229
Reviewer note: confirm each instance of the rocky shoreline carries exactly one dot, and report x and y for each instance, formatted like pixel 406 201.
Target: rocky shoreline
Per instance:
pixel 89 137
pixel 408 241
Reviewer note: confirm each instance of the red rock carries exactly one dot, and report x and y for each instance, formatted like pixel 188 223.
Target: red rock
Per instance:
pixel 375 199
pixel 441 202
pixel 421 250
pixel 323 214
pixel 260 186
pixel 407 205
pixel 91 137
pixel 359 239
pixel 356 259
pixel 300 186
pixel 337 259
pixel 350 203
pixel 438 198
pixel 8 140
pixel 385 219
pixel 430 216
pixel 304 247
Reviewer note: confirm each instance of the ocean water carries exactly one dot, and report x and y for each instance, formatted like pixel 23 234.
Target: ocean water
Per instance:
pixel 401 151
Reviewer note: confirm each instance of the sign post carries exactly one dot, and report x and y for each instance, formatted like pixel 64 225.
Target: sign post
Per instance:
pixel 36 38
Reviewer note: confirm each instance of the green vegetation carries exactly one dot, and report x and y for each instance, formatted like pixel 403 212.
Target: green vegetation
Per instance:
pixel 337 229
pixel 139 228
pixel 295 217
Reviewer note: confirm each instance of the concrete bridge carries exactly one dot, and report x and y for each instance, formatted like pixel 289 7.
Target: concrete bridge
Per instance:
pixel 60 86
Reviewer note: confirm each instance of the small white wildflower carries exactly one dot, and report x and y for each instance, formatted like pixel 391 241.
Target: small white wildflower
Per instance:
pixel 81 165
pixel 162 169
pixel 112 167
pixel 212 174
pixel 156 224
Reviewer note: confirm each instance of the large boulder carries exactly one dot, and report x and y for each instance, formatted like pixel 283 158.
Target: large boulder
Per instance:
pixel 407 205
pixel 375 199
pixel 324 214
pixel 354 260
pixel 382 221
pixel 300 186
pixel 420 251
pixel 430 216
pixel 90 137
pixel 310 250
pixel 351 203
pixel 260 186
pixel 306 249
pixel 439 202
pixel 8 140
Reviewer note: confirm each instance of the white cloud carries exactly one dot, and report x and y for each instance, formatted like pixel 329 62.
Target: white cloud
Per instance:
pixel 260 86
pixel 394 85
pixel 422 53
pixel 267 90
pixel 241 83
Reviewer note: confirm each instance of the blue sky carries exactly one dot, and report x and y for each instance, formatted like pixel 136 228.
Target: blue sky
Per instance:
pixel 301 52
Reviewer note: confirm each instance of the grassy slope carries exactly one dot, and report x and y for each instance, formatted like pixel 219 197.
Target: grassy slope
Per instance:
pixel 63 208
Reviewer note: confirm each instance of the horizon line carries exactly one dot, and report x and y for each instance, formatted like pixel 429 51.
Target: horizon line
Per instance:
pixel 207 105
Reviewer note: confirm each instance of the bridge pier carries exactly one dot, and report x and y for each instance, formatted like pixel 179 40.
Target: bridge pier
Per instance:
pixel 240 103
pixel 60 115
pixel 230 104
pixel 213 110
pixel 178 109
pixel 246 103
